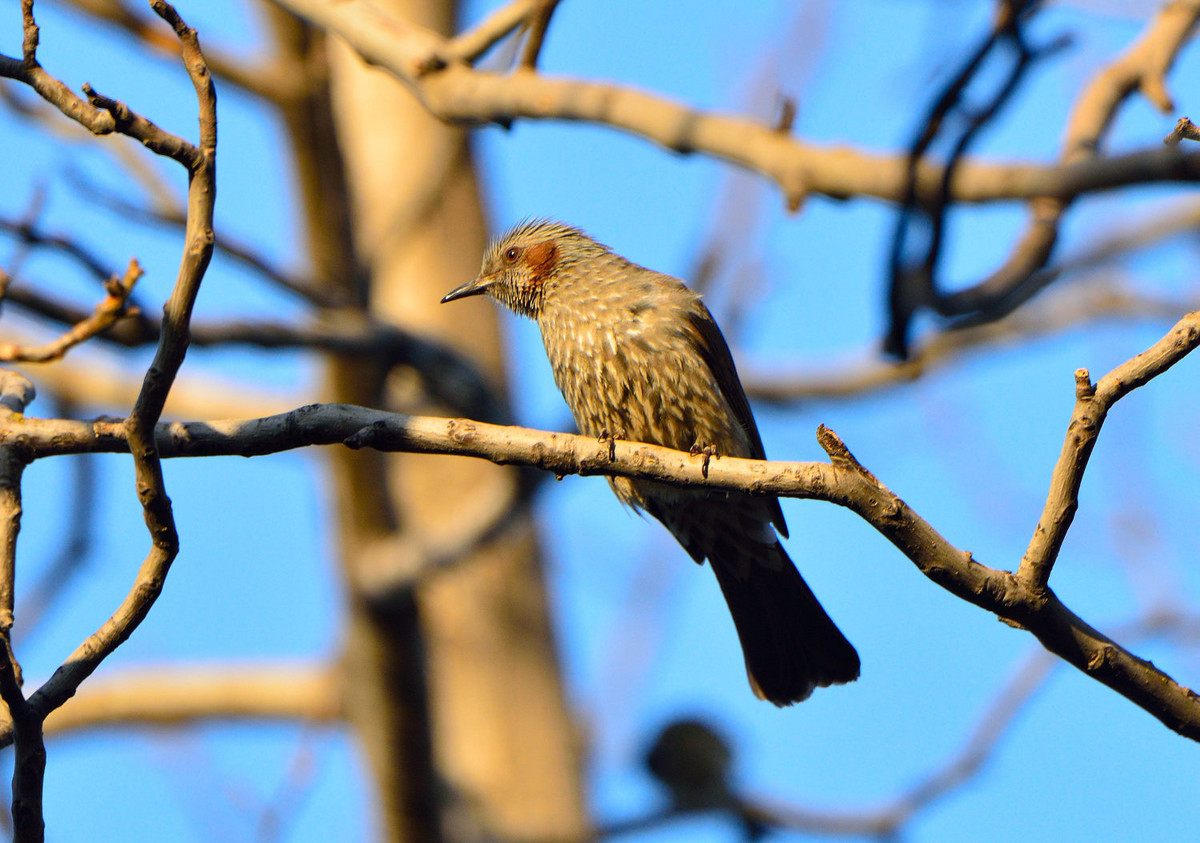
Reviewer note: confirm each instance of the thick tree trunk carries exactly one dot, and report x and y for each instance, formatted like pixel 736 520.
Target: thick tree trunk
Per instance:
pixel 503 740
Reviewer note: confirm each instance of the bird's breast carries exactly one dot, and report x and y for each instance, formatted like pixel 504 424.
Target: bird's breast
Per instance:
pixel 625 371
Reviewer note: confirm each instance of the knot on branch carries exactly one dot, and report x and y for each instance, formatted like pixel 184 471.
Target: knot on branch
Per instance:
pixel 16 391
pixel 1085 390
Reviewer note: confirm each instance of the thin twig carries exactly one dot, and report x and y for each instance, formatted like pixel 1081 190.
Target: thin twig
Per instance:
pixel 1184 129
pixel 1092 403
pixel 538 22
pixel 26 724
pixel 107 313
pixel 1143 67
pixel 139 427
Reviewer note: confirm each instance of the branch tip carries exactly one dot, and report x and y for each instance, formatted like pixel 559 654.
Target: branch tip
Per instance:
pixel 1084 388
pixel 1184 129
pixel 838 453
pixel 787 115
pixel 168 13
pixel 29 28
pixel 831 443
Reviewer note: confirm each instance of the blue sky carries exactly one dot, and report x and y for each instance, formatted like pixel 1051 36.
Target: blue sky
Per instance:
pixel 645 634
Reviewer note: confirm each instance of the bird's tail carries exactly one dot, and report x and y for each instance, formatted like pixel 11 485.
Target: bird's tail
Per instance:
pixel 790 644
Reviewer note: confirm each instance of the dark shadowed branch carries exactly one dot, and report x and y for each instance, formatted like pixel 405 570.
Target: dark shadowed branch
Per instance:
pixel 24 723
pixel 921 226
pixel 695 763
pixel 1142 68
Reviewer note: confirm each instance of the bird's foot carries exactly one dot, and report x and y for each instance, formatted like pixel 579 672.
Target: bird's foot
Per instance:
pixel 611 439
pixel 706 451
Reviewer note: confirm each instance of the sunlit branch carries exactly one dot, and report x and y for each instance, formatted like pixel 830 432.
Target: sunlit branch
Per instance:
pixel 104 115
pixel 107 313
pixel 1023 599
pixel 454 91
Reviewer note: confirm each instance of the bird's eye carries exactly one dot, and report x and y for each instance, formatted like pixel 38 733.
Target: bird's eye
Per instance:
pixel 510 255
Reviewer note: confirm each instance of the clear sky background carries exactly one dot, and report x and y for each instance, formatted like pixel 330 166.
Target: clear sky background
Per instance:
pixel 645 634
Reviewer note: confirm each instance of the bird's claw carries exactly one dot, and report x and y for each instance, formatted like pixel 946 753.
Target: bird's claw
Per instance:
pixel 708 452
pixel 611 439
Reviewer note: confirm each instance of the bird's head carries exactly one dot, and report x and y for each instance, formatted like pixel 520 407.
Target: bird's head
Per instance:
pixel 520 264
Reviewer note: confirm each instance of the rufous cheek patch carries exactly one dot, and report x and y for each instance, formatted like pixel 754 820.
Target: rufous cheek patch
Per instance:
pixel 542 258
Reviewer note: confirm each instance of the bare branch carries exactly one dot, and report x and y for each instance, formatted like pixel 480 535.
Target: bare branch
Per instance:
pixel 1023 599
pixel 101 116
pixel 472 44
pixel 107 313
pixel 187 695
pixel 1092 404
pixel 917 243
pixel 1143 67
pixel 1184 129
pixel 25 724
pixel 538 22
pixel 139 427
pixel 12 467
pixel 455 92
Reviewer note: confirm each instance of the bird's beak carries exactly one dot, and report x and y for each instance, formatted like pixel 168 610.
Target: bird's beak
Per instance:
pixel 471 288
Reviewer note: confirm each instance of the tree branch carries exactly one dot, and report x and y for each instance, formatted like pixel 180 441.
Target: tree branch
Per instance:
pixel 25 723
pixel 1022 599
pixel 456 92
pixel 1143 67
pixel 1092 403
pixel 173 341
pixel 103 115
pixel 182 696
pixel 472 44
pixel 107 313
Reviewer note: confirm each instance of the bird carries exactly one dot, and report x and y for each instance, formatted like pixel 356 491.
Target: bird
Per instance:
pixel 638 357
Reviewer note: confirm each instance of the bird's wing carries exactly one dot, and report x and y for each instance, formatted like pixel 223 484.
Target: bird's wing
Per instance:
pixel 715 352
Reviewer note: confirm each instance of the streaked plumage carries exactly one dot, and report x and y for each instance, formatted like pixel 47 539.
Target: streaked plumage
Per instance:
pixel 637 356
